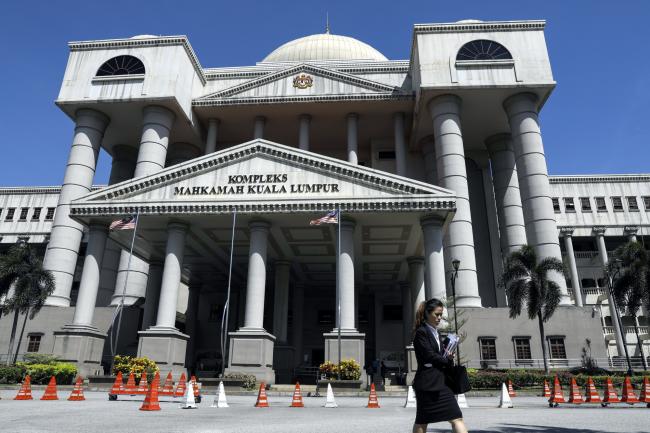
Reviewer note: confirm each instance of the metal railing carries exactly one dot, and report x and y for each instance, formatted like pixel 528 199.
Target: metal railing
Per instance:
pixel 611 363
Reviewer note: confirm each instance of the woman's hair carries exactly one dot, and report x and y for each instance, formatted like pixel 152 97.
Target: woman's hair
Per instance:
pixel 423 311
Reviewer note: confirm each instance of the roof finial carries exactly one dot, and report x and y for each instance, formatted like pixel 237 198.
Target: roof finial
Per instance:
pixel 327 23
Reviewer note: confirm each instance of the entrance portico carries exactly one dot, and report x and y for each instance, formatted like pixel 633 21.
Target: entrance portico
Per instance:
pixel 185 223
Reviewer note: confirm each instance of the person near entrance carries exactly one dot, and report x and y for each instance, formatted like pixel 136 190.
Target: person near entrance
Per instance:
pixel 435 400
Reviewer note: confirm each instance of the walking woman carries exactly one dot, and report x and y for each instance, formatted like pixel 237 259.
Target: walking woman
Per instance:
pixel 435 401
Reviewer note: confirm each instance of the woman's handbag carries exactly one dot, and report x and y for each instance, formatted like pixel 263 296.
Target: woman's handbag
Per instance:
pixel 457 379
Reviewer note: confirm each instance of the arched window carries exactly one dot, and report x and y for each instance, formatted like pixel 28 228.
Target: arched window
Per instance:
pixel 482 49
pixel 121 65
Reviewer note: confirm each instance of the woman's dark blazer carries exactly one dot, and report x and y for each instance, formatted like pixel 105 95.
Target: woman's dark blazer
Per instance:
pixel 431 363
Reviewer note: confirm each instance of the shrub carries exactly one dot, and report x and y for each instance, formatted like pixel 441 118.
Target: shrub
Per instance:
pixel 349 370
pixel 40 358
pixel 64 372
pixel 11 373
pixel 130 364
pixel 250 381
pixel 328 368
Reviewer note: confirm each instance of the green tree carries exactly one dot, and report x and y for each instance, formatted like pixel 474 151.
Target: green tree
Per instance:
pixel 525 277
pixel 631 289
pixel 24 286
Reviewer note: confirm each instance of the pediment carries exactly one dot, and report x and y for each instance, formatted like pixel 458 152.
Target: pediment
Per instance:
pixel 303 80
pixel 261 176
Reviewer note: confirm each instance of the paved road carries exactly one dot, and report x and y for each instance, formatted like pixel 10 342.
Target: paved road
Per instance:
pixel 97 414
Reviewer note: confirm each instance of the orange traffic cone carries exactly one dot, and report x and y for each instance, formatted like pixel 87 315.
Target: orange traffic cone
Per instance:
pixel 556 396
pixel 262 401
pixel 574 394
pixel 143 386
pixel 628 396
pixel 511 391
pixel 296 401
pixel 591 395
pixel 197 394
pixel 118 385
pixel 50 390
pixel 645 391
pixel 372 397
pixel 25 391
pixel 168 387
pixel 151 400
pixel 547 390
pixel 181 386
pixel 610 394
pixel 130 385
pixel 77 393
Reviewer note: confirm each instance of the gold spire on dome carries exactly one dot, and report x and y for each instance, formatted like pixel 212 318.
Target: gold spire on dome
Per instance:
pixel 327 23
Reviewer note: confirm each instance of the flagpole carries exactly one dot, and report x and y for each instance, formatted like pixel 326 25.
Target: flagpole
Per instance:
pixel 338 287
pixel 226 308
pixel 120 307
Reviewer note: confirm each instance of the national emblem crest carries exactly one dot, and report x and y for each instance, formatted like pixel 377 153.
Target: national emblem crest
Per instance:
pixel 303 81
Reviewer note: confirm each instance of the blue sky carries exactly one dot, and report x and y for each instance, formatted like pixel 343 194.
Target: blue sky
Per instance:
pixel 593 122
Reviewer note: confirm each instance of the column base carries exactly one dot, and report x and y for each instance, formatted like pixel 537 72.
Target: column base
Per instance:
pixel 468 301
pixel 81 345
pixel 251 352
pixel 165 346
pixel 411 364
pixel 283 360
pixel 352 346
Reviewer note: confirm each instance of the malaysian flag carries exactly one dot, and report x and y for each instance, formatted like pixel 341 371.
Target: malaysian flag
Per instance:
pixel 126 223
pixel 331 218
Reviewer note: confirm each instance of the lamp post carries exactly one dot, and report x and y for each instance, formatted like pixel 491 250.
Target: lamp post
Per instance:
pixel 455 263
pixel 616 265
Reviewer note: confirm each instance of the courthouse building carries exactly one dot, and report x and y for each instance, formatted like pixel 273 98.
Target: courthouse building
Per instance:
pixel 430 159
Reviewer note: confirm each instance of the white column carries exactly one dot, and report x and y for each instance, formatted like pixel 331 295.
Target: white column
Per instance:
pixel 435 285
pixel 123 165
pixel 137 279
pixel 171 278
pixel 416 280
pixel 297 322
pixel 281 300
pixel 156 126
pixel 181 152
pixel 211 139
pixel 407 311
pixel 191 321
pixel 256 281
pixel 152 295
pixel 512 228
pixel 89 285
pixel 567 233
pixel 303 134
pixel 346 275
pixel 401 151
pixel 353 146
pixel 452 174
pixel 65 238
pixel 599 232
pixel 539 217
pixel 258 130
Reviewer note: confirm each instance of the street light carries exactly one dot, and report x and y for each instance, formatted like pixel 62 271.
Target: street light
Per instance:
pixel 455 263
pixel 616 265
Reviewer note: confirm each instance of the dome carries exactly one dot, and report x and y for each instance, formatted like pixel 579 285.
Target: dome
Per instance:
pixel 143 37
pixel 470 21
pixel 324 46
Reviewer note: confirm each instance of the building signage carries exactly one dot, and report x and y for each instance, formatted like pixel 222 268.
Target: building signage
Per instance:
pixel 260 184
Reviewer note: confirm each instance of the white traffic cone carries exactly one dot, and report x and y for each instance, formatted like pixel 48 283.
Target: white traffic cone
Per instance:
pixel 220 398
pixel 330 397
pixel 462 401
pixel 410 398
pixel 505 401
pixel 190 403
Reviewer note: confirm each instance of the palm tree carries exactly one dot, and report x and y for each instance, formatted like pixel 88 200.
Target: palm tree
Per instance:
pixel 527 286
pixel 22 270
pixel 632 289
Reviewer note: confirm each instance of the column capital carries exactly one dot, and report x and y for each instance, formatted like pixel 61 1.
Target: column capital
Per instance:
pixel 398 115
pixel 98 226
pixel 442 104
pixel 259 225
pixel 348 224
pixel 499 142
pixel 159 114
pixel 260 118
pixel 352 116
pixel 433 219
pixel 630 230
pixel 214 121
pixel 599 230
pixel 566 231
pixel 178 226
pixel 415 260
pixel 305 116
pixel 87 117
pixel 525 101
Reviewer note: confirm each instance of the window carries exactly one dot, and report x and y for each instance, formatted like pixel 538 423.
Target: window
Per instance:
pixel 632 205
pixel 646 203
pixel 33 343
pixel 23 213
pixel 36 215
pixel 617 204
pixel 585 204
pixel 214 315
pixel 522 348
pixel 569 206
pixel 10 214
pixel 488 348
pixel 482 49
pixel 556 347
pixel 386 154
pixel 50 214
pixel 392 312
pixel 556 204
pixel 601 206
pixel 588 282
pixel 121 65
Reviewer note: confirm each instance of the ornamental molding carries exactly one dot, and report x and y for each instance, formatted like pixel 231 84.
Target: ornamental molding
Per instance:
pixel 24 190
pixel 290 99
pixel 618 178
pixel 492 26
pixel 567 231
pixel 142 43
pixel 630 230
pixel 599 230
